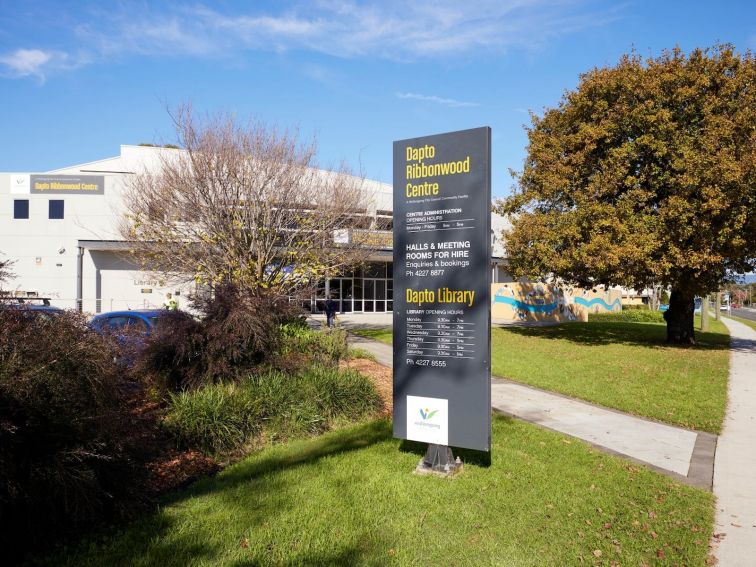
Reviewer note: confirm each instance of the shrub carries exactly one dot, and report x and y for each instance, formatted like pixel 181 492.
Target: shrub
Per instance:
pixel 325 346
pixel 224 418
pixel 630 316
pixel 239 330
pixel 63 464
pixel 172 356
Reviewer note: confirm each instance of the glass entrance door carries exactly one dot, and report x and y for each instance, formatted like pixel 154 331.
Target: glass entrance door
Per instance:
pixel 341 291
pixel 368 289
pixel 347 296
pixel 376 295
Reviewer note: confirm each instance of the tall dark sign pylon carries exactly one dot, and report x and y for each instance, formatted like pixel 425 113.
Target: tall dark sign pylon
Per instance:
pixel 442 286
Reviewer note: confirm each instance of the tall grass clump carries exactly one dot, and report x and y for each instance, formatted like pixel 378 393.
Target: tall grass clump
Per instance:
pixel 217 417
pixel 270 407
pixel 326 346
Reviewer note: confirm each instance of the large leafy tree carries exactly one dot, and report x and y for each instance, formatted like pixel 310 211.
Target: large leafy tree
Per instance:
pixel 644 174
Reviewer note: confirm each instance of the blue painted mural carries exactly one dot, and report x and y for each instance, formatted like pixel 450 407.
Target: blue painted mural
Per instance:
pixel 598 301
pixel 545 308
pixel 544 302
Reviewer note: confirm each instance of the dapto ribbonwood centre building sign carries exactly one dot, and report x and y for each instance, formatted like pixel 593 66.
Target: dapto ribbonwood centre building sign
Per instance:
pixel 442 277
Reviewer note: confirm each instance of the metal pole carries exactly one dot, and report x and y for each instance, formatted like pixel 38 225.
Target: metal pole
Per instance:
pixel 439 460
pixel 80 279
pixel 705 312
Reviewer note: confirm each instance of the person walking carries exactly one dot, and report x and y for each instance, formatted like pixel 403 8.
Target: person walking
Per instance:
pixel 170 302
pixel 330 310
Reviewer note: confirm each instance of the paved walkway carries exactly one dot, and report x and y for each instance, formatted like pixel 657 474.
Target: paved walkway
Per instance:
pixel 735 463
pixel 683 454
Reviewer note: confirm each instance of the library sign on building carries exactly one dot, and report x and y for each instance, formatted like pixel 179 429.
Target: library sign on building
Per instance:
pixel 442 239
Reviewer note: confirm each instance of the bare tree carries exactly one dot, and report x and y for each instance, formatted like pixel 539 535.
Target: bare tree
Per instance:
pixel 6 272
pixel 245 205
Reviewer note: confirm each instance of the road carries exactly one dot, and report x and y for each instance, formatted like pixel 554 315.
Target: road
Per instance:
pixel 749 314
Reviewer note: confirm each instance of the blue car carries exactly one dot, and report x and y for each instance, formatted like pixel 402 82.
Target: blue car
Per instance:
pixel 34 309
pixel 129 328
pixel 138 322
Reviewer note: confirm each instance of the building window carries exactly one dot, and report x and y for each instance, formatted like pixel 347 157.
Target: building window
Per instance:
pixel 21 208
pixel 56 209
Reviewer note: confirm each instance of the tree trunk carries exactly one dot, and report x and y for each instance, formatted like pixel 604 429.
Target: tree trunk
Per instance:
pixel 679 317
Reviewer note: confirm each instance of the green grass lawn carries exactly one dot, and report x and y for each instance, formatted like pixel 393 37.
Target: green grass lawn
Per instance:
pixel 383 335
pixel 622 365
pixel 350 498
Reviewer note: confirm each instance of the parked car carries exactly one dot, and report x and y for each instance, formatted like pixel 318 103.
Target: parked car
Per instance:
pixel 137 322
pixel 34 309
pixel 129 328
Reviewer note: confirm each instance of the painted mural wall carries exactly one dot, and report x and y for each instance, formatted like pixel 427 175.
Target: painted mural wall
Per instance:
pixel 517 301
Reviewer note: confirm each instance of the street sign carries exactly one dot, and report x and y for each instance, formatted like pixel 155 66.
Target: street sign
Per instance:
pixel 442 284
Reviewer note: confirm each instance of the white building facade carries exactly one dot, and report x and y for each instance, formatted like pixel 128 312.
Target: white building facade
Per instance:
pixel 60 230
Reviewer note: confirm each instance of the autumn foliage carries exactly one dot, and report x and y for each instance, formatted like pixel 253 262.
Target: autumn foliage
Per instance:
pixel 645 173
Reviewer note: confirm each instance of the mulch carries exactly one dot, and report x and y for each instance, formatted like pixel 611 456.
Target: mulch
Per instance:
pixel 179 468
pixel 167 466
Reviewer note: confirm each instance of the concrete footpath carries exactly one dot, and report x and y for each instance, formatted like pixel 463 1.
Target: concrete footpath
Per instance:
pixel 735 463
pixel 683 454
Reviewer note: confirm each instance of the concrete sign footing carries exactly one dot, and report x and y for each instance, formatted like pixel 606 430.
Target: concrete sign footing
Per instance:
pixel 439 461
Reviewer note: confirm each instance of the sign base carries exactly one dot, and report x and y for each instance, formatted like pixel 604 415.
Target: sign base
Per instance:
pixel 439 461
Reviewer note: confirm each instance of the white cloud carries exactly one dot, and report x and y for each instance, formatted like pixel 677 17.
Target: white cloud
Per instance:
pixel 436 100
pixel 388 29
pixel 25 62
pixel 399 30
pixel 37 62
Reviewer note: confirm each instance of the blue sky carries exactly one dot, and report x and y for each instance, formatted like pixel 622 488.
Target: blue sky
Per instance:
pixel 77 79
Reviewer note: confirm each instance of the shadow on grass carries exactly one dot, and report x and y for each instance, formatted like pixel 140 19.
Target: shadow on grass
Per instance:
pixel 300 453
pixel 468 456
pixel 344 557
pixel 142 541
pixel 647 335
pixel 162 538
